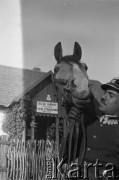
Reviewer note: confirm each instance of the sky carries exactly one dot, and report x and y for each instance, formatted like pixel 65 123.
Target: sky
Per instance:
pixel 11 51
pixel 30 29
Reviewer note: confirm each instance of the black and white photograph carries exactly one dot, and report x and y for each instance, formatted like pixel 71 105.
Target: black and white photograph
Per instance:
pixel 59 89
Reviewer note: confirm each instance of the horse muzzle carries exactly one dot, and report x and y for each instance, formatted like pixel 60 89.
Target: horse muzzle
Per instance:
pixel 84 94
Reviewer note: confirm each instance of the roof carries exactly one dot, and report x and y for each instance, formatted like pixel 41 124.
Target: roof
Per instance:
pixel 16 99
pixel 15 81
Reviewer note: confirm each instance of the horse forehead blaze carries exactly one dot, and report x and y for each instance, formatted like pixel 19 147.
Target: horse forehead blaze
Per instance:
pixel 81 82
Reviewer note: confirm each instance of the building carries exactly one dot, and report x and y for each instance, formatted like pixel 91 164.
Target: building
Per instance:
pixel 29 100
pixel 30 104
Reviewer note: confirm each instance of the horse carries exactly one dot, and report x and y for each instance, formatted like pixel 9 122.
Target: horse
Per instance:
pixel 70 73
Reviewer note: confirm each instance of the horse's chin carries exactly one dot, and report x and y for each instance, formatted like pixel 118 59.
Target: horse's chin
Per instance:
pixel 78 97
pixel 84 94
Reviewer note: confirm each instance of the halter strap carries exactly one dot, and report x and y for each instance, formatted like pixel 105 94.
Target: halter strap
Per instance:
pixel 74 127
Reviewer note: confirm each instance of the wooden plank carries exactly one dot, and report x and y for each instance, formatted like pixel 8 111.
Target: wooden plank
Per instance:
pixel 3 157
pixel 32 128
pixel 3 169
pixel 57 135
pixel 23 160
pixel 7 143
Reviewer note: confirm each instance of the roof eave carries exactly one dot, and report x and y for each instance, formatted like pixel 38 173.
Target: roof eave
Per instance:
pixel 16 99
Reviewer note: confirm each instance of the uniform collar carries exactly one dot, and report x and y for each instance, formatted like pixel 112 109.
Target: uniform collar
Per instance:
pixel 108 119
pixel 108 116
pixel 111 116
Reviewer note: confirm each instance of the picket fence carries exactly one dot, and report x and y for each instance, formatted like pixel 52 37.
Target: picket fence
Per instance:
pixel 33 160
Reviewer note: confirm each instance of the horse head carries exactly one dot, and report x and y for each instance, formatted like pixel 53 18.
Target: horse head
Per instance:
pixel 71 72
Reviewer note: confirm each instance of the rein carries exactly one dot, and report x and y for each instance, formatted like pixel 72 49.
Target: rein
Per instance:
pixel 74 128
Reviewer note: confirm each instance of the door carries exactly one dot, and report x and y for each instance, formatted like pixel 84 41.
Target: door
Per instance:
pixel 42 124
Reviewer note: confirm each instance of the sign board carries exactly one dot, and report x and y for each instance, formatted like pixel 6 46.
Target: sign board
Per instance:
pixel 47 107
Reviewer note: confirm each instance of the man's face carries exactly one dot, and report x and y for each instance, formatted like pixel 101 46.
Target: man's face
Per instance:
pixel 110 103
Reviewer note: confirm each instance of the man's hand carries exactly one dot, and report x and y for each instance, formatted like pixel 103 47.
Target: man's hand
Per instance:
pixel 75 113
pixel 81 103
pixel 85 106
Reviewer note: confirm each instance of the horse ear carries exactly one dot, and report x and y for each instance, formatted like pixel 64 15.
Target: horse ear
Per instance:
pixel 77 50
pixel 58 51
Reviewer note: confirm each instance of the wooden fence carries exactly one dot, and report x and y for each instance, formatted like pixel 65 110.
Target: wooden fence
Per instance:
pixel 31 161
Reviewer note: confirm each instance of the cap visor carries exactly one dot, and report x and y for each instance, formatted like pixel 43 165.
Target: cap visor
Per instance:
pixel 110 86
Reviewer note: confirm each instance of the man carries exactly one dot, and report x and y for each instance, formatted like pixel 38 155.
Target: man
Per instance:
pixel 101 157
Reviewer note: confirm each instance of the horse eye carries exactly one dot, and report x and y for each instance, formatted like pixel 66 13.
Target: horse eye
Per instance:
pixel 85 66
pixel 56 70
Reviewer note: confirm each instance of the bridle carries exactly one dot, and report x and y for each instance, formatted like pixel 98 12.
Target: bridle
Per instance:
pixel 73 128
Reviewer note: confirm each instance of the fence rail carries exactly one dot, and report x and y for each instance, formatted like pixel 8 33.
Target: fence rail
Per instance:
pixel 33 160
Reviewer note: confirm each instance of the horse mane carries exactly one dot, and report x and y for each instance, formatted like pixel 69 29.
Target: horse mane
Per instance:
pixel 69 59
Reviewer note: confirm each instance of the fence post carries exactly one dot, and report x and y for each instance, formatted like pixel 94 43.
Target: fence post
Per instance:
pixel 33 128
pixel 57 135
pixel 57 144
pixel 3 163
pixel 24 132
